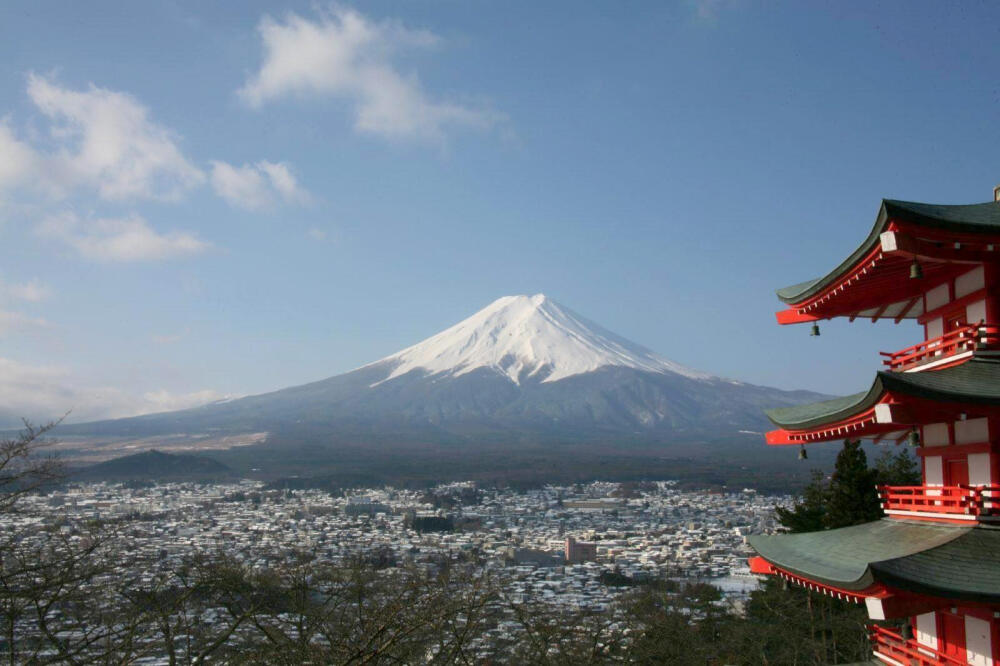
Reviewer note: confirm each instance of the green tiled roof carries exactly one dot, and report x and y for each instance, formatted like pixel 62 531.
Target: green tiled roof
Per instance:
pixel 966 568
pixel 817 413
pixel 972 218
pixel 841 557
pixel 947 561
pixel 976 381
pixel 975 218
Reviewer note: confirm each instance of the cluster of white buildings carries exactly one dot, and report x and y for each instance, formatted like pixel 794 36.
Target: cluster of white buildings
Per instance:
pixel 651 530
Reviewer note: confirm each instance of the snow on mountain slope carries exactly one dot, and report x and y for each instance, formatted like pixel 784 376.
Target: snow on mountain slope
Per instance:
pixel 525 337
pixel 523 369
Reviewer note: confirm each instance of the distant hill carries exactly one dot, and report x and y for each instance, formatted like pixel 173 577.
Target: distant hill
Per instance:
pixel 154 466
pixel 523 369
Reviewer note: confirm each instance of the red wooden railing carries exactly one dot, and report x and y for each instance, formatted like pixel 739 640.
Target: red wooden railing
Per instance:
pixel 967 338
pixel 961 500
pixel 908 651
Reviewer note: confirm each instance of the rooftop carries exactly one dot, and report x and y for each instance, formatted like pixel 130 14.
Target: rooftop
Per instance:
pixel 976 381
pixel 936 560
pixel 981 218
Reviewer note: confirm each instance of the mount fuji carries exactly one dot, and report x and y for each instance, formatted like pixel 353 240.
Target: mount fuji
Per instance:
pixel 523 369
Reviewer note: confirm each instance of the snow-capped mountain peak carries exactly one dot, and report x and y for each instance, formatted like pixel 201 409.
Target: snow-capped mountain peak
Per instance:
pixel 526 337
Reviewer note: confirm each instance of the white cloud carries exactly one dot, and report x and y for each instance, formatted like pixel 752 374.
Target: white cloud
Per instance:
pixel 30 392
pixel 256 186
pixel 44 392
pixel 12 321
pixel 167 339
pixel 165 401
pixel 709 10
pixel 241 186
pixel 316 234
pixel 19 163
pixel 119 239
pixel 32 291
pixel 17 321
pixel 283 182
pixel 344 54
pixel 107 139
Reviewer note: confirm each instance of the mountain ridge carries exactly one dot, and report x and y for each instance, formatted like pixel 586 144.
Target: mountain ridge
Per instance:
pixel 522 369
pixel 525 336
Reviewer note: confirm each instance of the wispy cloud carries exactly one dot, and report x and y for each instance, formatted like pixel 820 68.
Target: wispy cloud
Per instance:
pixel 44 392
pixel 20 164
pixel 170 338
pixel 104 144
pixel 108 140
pixel 257 186
pixel 12 321
pixel 345 54
pixel 126 239
pixel 17 321
pixel 166 401
pixel 284 182
pixel 316 234
pixel 708 10
pixel 32 291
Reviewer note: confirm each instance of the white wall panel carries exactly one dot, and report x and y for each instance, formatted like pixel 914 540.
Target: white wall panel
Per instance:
pixel 927 630
pixel 933 471
pixel 935 434
pixel 972 431
pixel 970 282
pixel 937 297
pixel 975 312
pixel 935 328
pixel 979 469
pixel 978 646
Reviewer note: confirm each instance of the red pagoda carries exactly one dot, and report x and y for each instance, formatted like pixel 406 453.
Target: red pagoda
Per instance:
pixel 932 564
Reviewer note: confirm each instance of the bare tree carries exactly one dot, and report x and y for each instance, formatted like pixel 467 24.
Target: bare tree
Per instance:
pixel 23 468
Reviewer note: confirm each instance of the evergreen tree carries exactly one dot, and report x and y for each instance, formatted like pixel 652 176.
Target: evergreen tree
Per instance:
pixel 897 469
pixel 808 515
pixel 796 626
pixel 852 498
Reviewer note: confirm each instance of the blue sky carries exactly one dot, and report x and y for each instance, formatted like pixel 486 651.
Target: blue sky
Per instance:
pixel 198 201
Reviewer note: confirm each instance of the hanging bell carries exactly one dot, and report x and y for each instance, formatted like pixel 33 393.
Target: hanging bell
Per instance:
pixel 802 453
pixel 814 332
pixel 913 438
pixel 916 272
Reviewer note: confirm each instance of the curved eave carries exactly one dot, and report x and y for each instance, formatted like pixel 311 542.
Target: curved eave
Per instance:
pixel 816 414
pixel 843 558
pixel 797 293
pixel 966 568
pixel 982 218
pixel 977 381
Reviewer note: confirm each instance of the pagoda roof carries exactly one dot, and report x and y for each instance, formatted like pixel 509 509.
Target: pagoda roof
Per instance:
pixel 978 218
pixel 977 381
pixel 842 557
pixel 925 558
pixel 966 568
pixel 801 417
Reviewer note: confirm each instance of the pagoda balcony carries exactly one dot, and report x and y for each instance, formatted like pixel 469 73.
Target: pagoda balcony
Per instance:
pixel 949 503
pixel 947 349
pixel 892 648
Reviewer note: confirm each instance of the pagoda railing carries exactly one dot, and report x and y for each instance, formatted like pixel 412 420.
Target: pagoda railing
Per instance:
pixel 961 502
pixel 907 650
pixel 966 339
